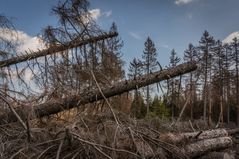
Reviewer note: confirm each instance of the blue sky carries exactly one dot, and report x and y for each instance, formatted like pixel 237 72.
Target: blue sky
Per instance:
pixel 170 23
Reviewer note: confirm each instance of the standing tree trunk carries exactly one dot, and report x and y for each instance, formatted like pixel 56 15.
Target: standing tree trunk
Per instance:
pixel 205 88
pixel 235 46
pixel 210 99
pixel 191 97
pixel 237 88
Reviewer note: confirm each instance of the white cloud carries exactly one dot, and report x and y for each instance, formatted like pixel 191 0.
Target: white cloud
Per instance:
pixel 28 75
pixel 24 41
pixel 181 2
pixel 230 37
pixel 135 35
pixel 95 14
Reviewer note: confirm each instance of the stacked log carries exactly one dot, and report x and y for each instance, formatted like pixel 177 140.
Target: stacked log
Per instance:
pixel 204 144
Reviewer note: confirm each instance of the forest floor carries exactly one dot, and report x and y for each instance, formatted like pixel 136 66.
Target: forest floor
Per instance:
pixel 99 136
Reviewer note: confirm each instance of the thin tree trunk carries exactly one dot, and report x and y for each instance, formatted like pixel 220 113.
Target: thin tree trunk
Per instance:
pixel 72 44
pixel 237 88
pixel 190 102
pixel 205 97
pixel 172 100
pixel 210 101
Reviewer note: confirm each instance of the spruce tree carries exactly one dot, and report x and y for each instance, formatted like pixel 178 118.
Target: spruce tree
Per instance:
pixel 138 109
pixel 206 47
pixel 235 49
pixel 218 66
pixel 135 68
pixel 174 60
pixel 190 54
pixel 150 63
pixel 112 62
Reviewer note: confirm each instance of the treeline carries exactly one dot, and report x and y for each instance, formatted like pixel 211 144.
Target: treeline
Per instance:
pixel 211 92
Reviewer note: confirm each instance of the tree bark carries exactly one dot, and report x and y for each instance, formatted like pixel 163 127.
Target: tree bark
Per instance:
pixel 200 135
pixel 204 146
pixel 53 107
pixel 218 155
pixel 198 144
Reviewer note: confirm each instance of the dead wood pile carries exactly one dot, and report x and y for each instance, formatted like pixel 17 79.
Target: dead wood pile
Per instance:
pixel 196 144
pixel 102 137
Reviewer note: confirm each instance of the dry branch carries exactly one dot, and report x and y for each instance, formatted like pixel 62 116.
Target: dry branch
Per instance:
pixel 72 44
pixel 53 107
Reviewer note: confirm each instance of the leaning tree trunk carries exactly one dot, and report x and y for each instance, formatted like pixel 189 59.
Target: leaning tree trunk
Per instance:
pixel 53 107
pixel 59 48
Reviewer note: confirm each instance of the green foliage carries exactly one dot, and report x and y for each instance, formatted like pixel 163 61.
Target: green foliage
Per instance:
pixel 138 108
pixel 158 109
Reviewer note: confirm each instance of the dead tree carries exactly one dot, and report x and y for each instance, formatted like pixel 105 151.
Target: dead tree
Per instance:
pixel 53 107
pixel 72 44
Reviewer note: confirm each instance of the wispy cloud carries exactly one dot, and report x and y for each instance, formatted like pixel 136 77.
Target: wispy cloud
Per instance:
pixel 181 2
pixel 135 35
pixel 189 16
pixel 107 13
pixel 165 46
pixel 230 37
pixel 97 13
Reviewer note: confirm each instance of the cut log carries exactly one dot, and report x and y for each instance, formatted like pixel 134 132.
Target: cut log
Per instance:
pixel 233 131
pixel 59 48
pixel 218 155
pixel 200 135
pixel 204 146
pixel 53 107
pixel 196 144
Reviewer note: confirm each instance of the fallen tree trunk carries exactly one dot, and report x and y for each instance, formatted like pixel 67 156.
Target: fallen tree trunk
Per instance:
pixel 218 155
pixel 53 107
pixel 233 131
pixel 196 144
pixel 72 44
pixel 204 146
pixel 200 135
